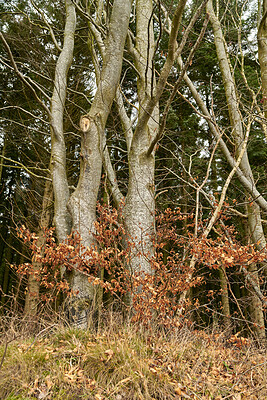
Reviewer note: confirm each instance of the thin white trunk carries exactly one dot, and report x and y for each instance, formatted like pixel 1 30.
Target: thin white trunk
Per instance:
pixel 248 185
pixel 254 220
pixel 236 124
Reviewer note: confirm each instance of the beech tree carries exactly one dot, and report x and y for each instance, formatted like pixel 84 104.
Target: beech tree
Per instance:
pixel 138 59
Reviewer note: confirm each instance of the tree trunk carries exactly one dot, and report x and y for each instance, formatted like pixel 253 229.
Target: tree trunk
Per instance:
pixel 255 307
pixel 254 220
pixel 58 149
pixel 82 203
pixel 32 297
pixel 225 300
pixel 8 258
pixel 140 200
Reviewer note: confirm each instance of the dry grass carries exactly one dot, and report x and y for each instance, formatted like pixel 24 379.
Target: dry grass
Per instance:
pixel 121 362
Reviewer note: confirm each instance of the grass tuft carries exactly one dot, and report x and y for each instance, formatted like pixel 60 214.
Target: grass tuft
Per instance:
pixel 119 362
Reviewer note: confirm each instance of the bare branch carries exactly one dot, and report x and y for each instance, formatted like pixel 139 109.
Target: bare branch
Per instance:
pixel 20 165
pixel 255 287
pixel 112 179
pixel 39 10
pixel 160 132
pixel 215 132
pixel 27 81
pixel 227 182
pixel 173 53
pixel 26 112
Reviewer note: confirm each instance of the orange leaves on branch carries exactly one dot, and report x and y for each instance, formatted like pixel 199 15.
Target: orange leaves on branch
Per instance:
pixel 107 263
pixel 226 251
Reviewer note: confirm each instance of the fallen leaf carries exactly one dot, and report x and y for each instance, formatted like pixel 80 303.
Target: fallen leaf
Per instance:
pixel 91 384
pixel 178 391
pixel 48 382
pixel 237 396
pixel 99 397
pixel 110 354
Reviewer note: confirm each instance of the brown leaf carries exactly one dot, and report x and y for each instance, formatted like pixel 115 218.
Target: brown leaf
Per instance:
pixel 110 354
pixel 178 390
pixel 99 397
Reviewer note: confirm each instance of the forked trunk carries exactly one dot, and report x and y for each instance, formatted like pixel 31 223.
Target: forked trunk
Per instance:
pixel 82 203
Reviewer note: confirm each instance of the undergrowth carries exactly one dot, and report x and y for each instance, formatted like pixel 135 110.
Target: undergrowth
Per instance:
pixel 124 361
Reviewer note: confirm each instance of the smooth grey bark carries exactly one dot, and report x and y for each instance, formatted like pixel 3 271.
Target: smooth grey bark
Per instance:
pixel 236 122
pixel 140 203
pixel 254 217
pixel 140 200
pixel 82 202
pixel 139 212
pixel 62 218
pixel 173 52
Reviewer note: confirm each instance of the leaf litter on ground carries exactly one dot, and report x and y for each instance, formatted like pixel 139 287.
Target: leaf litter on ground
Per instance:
pixel 128 363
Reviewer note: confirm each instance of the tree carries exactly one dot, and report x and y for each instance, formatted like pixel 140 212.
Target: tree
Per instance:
pixel 137 59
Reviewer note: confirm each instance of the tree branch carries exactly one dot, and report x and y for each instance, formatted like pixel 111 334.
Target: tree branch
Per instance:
pixel 173 53
pixel 160 132
pixel 20 165
pixel 22 77
pixel 250 186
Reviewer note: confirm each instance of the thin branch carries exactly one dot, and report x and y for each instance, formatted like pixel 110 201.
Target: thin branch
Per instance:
pixel 26 112
pixel 216 134
pixel 227 182
pixel 112 179
pixel 254 285
pixel 216 212
pixel 20 165
pixel 125 120
pixel 203 183
pixel 160 132
pixel 23 78
pixel 48 26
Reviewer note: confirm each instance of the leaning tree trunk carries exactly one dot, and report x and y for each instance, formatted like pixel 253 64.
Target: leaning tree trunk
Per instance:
pixel 254 219
pixel 82 203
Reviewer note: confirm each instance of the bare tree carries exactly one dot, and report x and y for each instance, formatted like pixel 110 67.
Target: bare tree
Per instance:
pixel 238 136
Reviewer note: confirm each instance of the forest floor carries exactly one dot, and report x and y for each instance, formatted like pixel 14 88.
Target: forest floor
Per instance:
pixel 124 362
